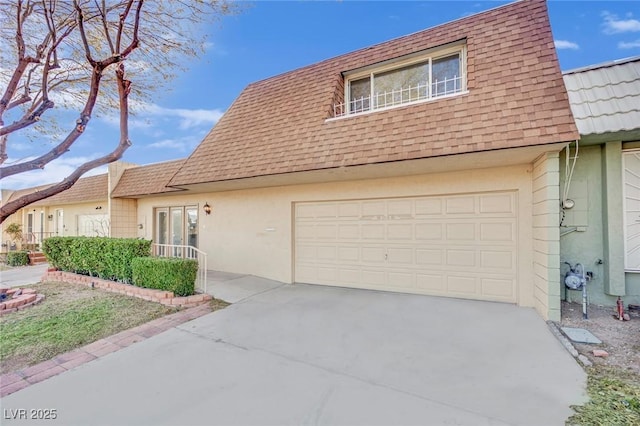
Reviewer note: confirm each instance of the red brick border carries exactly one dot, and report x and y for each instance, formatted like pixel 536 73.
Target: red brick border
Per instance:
pixel 158 296
pixel 27 298
pixel 14 381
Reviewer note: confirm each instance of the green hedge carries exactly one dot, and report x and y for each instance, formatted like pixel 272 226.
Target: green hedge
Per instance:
pixel 107 258
pixel 162 273
pixel 17 258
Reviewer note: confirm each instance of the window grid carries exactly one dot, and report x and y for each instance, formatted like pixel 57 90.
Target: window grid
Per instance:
pixel 423 91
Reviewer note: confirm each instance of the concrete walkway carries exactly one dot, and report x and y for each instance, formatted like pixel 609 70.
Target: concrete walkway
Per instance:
pixel 22 275
pixel 318 355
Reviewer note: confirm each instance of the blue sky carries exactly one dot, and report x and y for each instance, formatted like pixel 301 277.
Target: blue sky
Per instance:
pixel 269 38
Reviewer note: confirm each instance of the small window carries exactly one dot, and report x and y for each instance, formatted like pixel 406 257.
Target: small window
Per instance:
pixel 410 80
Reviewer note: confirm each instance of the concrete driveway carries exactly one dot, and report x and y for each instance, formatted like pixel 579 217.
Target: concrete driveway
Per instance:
pixel 318 355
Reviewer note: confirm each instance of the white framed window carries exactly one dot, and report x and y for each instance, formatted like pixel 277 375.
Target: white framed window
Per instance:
pixel 631 198
pixel 176 225
pixel 433 74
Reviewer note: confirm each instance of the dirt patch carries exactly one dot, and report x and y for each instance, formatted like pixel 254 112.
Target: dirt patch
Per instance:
pixel 621 339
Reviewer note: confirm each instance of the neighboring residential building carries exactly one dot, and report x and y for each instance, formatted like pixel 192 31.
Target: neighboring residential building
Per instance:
pixel 84 209
pixel 80 210
pixel 427 164
pixel 600 226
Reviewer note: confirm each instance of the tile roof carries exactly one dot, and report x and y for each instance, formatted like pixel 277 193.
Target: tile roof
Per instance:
pixel 516 98
pixel 87 189
pixel 147 180
pixel 605 98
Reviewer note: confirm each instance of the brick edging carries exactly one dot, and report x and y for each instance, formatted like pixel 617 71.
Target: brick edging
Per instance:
pixel 17 380
pixel 159 296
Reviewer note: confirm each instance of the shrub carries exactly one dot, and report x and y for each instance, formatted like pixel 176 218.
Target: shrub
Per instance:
pixel 162 273
pixel 17 258
pixel 58 252
pixel 107 258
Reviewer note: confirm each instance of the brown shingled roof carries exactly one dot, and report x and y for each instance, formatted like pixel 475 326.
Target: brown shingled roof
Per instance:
pixel 87 189
pixel 516 98
pixel 147 180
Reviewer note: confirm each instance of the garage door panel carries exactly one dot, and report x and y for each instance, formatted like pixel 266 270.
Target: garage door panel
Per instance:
pixel 306 273
pixel 431 283
pixel 373 278
pixel 326 232
pixel 465 258
pixel 317 211
pixel 374 209
pixel 326 274
pixel 460 246
pixel 461 231
pixel 349 276
pixel 495 259
pixel 400 232
pixel 428 207
pixel 498 231
pixel 400 208
pixel 465 285
pixel 305 232
pixel 348 254
pixel 498 203
pixel 428 231
pixel 349 210
pixel 401 280
pixel 373 231
pixel 373 254
pixel 306 252
pixel 498 289
pixel 460 205
pixel 349 232
pixel 429 256
pixel 400 255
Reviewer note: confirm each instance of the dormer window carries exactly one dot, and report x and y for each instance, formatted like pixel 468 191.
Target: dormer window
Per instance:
pixel 407 80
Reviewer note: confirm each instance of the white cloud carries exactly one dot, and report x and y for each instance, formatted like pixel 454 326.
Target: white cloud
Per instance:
pixel 565 44
pixel 613 25
pixel 188 118
pixel 629 44
pixel 181 144
pixel 53 172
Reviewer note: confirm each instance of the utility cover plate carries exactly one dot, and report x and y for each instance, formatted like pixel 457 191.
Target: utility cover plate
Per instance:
pixel 580 335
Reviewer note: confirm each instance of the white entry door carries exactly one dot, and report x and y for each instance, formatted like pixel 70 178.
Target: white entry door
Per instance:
pixel 457 245
pixel 631 164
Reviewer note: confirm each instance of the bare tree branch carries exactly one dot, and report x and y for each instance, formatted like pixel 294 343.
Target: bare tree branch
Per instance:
pixel 51 38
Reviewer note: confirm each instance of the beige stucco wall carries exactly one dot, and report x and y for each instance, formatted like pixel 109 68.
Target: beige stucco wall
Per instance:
pixel 123 216
pixel 546 236
pixel 251 231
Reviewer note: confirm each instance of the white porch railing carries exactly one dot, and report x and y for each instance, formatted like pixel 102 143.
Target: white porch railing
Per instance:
pixel 400 96
pixel 185 252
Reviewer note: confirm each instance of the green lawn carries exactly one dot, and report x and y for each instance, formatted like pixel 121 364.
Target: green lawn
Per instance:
pixel 70 316
pixel 614 399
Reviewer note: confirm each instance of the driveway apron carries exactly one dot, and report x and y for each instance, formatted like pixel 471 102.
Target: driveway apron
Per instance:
pixel 307 354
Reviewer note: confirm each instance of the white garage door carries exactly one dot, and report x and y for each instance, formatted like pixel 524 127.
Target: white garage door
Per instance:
pixel 459 246
pixel 93 225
